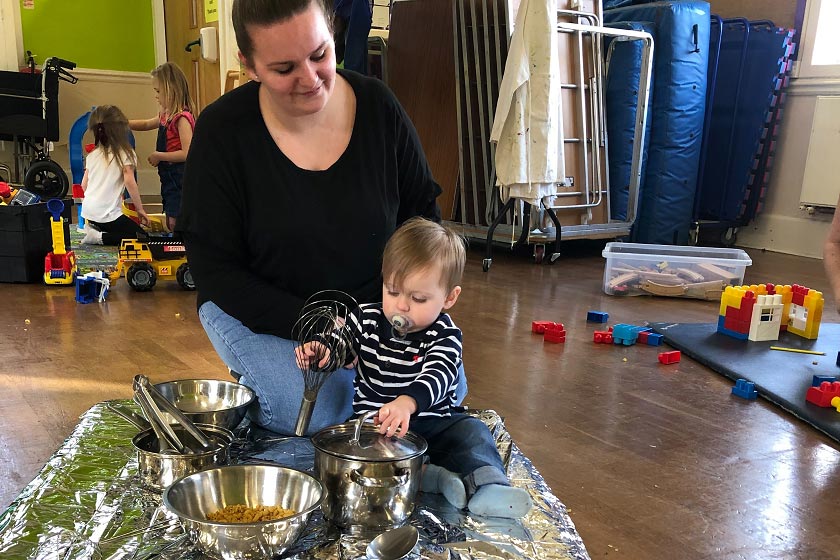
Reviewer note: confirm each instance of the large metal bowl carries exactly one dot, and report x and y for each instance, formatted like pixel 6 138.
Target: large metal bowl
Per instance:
pixel 208 401
pixel 195 496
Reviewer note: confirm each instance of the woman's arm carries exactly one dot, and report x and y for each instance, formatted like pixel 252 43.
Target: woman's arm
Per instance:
pixel 144 124
pixel 831 256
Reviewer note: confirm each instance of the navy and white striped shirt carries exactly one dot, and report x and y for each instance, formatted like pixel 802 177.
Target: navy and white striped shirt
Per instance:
pixel 423 365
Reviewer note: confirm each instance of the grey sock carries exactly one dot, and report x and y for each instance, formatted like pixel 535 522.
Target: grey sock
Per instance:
pixel 500 501
pixel 437 480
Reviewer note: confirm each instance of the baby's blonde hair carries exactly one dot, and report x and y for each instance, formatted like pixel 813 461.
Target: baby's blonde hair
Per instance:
pixel 420 243
pixel 174 90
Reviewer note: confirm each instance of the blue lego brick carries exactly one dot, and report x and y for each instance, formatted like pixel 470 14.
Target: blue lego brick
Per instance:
pixel 85 290
pixel 815 382
pixel 654 339
pixel 597 316
pixel 627 334
pixel 744 389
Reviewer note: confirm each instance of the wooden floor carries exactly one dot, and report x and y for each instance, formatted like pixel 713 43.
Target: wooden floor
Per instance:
pixel 653 462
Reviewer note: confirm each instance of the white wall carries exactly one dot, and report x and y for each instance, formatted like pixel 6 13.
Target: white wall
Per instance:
pixel 11 35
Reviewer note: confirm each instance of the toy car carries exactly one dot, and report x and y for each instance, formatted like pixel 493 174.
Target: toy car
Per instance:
pixel 144 261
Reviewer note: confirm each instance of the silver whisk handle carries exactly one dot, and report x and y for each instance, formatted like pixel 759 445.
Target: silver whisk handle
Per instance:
pixel 304 416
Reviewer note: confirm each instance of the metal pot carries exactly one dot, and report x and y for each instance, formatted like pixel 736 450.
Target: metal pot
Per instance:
pixel 370 480
pixel 159 470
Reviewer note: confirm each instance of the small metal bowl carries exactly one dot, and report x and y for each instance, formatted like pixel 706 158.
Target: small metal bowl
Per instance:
pixel 208 401
pixel 195 496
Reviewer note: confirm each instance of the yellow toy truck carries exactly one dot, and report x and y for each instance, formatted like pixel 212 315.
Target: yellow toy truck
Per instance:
pixel 144 261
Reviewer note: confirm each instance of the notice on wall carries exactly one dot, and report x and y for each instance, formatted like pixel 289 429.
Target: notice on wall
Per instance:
pixel 28 4
pixel 211 11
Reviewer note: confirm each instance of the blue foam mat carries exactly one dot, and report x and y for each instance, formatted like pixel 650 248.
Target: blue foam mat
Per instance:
pixel 782 378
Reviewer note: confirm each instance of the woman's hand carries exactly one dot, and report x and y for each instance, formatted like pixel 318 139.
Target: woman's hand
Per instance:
pixel 309 352
pixel 393 417
pixel 154 159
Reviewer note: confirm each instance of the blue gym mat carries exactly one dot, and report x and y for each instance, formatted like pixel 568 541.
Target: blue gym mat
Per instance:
pixel 782 378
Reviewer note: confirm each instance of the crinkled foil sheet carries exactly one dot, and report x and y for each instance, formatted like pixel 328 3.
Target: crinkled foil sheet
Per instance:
pixel 86 503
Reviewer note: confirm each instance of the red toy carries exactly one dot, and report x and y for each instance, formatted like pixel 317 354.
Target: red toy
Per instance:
pixel 555 333
pixel 822 395
pixel 602 337
pixel 670 357
pixel 539 327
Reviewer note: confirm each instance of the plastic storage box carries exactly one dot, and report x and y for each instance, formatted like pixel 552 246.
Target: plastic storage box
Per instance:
pixel 635 269
pixel 26 238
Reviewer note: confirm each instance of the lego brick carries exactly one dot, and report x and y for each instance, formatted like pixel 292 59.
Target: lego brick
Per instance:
pixel 654 339
pixel 672 357
pixel 538 327
pixel 556 334
pixel 643 337
pixel 745 389
pixel 820 379
pixel 597 316
pixel 602 337
pixel 822 395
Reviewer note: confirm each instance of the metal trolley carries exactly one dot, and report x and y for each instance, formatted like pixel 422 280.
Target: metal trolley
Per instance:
pixel 583 201
pixel 29 118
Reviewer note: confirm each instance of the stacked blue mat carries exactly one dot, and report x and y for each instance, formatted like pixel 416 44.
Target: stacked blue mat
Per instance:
pixel 681 43
pixel 745 106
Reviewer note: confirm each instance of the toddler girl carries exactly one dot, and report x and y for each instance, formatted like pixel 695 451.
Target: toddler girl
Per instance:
pixel 174 124
pixel 109 169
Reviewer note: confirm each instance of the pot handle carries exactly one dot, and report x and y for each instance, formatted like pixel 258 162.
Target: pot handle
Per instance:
pixel 359 422
pixel 400 478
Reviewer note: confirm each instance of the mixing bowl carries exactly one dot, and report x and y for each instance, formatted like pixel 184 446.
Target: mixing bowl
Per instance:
pixel 208 401
pixel 195 496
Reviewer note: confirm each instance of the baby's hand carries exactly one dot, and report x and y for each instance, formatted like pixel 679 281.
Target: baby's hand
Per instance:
pixel 393 417
pixel 310 352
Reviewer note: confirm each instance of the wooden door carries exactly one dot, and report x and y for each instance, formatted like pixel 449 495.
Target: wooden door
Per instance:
pixel 184 19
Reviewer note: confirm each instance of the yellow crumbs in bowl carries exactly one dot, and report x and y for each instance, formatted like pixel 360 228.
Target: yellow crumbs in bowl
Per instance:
pixel 239 513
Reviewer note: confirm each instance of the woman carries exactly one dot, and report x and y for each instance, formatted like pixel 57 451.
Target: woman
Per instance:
pixel 294 183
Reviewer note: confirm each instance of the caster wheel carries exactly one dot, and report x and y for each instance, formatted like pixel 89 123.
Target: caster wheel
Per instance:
pixel 485 264
pixel 729 237
pixel 553 258
pixel 539 253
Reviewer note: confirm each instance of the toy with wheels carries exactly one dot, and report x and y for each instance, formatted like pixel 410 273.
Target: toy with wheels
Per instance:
pixel 59 264
pixel 146 261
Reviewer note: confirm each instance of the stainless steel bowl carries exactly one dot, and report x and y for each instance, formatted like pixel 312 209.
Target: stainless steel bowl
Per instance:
pixel 193 497
pixel 208 401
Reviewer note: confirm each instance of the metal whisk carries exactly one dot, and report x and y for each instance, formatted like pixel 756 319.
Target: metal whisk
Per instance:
pixel 324 319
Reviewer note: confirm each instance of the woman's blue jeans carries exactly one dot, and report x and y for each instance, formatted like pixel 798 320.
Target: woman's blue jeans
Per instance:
pixel 266 364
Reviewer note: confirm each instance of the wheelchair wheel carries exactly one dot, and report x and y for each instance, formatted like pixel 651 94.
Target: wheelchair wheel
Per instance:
pixel 46 179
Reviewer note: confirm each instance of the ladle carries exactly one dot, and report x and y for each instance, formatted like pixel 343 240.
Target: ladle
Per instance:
pixel 393 544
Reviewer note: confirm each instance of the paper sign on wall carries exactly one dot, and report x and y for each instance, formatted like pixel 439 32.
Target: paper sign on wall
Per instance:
pixel 28 4
pixel 211 11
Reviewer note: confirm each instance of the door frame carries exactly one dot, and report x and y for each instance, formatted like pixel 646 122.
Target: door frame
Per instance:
pixel 227 42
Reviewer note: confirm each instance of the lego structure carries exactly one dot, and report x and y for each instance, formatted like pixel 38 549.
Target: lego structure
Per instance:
pixel 760 311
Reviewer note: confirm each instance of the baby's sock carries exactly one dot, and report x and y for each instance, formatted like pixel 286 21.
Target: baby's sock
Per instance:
pixel 500 501
pixel 92 236
pixel 437 480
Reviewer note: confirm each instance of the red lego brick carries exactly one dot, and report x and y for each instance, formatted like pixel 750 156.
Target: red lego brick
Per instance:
pixel 798 294
pixel 539 327
pixel 602 337
pixel 643 337
pixel 556 333
pixel 670 357
pixel 822 395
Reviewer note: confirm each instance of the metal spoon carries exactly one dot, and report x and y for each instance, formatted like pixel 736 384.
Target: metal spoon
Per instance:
pixel 393 544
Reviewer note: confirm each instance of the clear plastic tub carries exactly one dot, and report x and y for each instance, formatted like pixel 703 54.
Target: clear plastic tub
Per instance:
pixel 635 269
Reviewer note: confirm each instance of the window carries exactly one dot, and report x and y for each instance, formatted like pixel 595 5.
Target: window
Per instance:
pixel 820 43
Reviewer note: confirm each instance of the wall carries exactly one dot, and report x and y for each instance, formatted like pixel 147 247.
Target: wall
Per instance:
pixel 780 12
pixel 11 37
pixel 103 34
